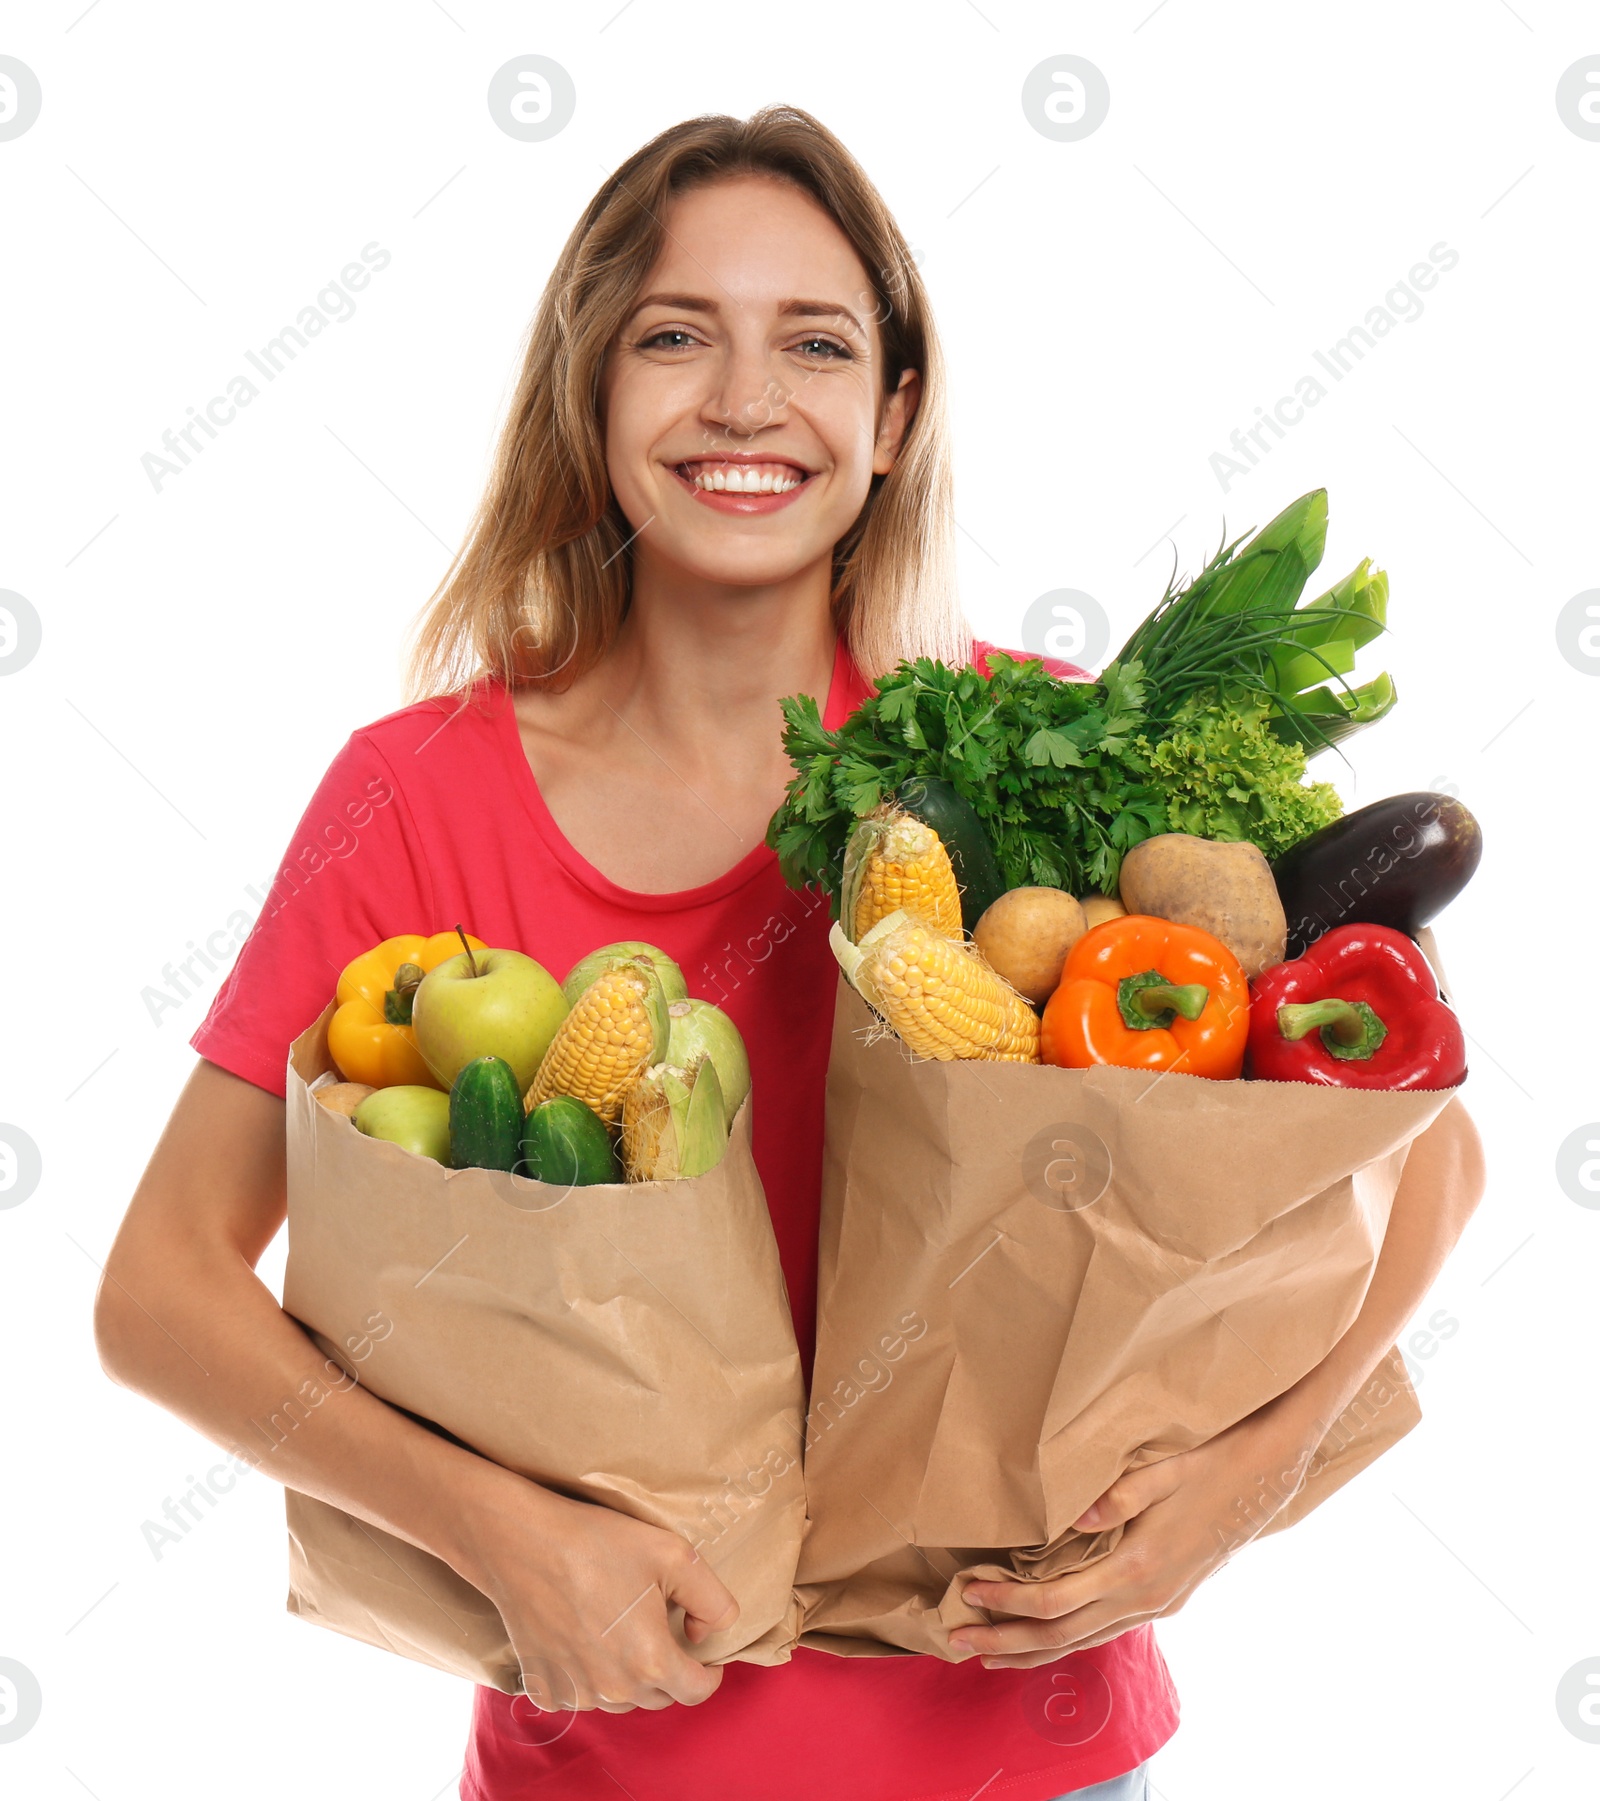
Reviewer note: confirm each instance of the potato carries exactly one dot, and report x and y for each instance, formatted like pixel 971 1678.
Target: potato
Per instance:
pixel 1098 907
pixel 1026 934
pixel 1224 889
pixel 343 1097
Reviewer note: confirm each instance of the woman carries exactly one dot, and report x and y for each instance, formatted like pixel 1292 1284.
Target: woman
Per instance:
pixel 723 479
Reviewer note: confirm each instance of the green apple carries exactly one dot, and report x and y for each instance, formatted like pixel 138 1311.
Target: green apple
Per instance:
pixel 417 1119
pixel 584 971
pixel 490 1003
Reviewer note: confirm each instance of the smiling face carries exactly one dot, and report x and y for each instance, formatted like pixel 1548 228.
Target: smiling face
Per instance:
pixel 742 401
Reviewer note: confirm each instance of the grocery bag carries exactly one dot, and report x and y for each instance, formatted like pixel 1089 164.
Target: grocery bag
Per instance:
pixel 1033 1279
pixel 626 1344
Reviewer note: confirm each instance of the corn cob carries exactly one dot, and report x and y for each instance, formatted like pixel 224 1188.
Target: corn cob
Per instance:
pixel 938 993
pixel 1021 1041
pixel 617 1028
pixel 673 1123
pixel 893 860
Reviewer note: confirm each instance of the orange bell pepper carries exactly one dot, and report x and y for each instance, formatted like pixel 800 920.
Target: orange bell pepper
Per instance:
pixel 370 1036
pixel 1147 993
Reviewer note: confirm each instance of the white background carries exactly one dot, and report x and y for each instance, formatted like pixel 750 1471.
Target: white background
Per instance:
pixel 1112 309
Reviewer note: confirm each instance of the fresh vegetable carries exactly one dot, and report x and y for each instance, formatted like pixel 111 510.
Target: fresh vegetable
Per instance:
pixel 1225 774
pixel 1201 723
pixel 617 1028
pixel 893 860
pixel 567 1145
pixel 1359 1010
pixel 523 1080
pixel 1036 758
pixel 1025 936
pixel 584 971
pixel 1398 863
pixel 695 1029
pixel 342 1097
pixel 938 993
pixel 1357 610
pixel 370 1036
pixel 487 1003
pixel 961 832
pixel 1237 631
pixel 486 1115
pixel 1323 717
pixel 673 1123
pixel 1097 908
pixel 1145 993
pixel 411 1116
pixel 1224 889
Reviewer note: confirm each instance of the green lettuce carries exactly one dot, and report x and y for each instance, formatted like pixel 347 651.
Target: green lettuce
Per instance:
pixel 1224 773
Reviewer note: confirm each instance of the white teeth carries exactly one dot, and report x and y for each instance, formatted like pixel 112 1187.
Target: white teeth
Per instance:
pixel 733 479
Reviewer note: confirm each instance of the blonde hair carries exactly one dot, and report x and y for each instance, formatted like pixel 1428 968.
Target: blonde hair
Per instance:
pixel 541 584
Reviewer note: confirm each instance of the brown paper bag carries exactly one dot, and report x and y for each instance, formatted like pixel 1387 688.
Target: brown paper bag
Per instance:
pixel 627 1344
pixel 1034 1279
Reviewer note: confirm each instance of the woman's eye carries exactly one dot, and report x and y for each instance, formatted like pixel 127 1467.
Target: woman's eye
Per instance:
pixel 826 348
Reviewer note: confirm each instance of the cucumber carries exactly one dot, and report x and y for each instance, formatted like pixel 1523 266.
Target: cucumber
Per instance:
pixel 566 1143
pixel 485 1116
pixel 936 804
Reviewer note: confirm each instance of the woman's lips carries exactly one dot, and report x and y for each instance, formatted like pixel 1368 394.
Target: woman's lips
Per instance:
pixel 724 502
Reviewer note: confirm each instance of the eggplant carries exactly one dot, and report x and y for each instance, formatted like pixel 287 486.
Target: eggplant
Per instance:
pixel 1396 863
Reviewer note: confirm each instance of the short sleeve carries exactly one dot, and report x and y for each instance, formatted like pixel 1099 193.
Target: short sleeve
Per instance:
pixel 349 878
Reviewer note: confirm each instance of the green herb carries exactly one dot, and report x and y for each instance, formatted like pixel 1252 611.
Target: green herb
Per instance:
pixel 1201 724
pixel 1237 630
pixel 1043 762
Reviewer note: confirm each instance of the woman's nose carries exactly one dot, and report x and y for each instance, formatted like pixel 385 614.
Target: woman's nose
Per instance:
pixel 746 393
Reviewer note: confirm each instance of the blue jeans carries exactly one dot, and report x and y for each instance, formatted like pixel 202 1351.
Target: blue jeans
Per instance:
pixel 1135 1786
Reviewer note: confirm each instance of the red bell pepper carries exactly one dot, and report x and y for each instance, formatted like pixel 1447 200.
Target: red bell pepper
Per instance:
pixel 1359 1010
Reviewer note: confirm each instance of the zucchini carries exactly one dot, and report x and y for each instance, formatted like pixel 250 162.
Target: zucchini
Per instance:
pixel 567 1144
pixel 936 804
pixel 485 1116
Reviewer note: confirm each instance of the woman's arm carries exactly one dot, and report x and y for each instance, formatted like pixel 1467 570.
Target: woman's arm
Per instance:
pixel 1439 1191
pixel 182 1318
pixel 1183 1513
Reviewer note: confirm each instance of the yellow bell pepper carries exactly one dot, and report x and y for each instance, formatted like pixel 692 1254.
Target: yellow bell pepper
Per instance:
pixel 370 1036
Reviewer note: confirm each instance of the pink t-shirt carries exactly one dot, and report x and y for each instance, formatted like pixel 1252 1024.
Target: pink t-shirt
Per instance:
pixel 432 817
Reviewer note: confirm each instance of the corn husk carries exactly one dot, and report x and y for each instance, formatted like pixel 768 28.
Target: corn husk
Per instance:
pixel 673 1122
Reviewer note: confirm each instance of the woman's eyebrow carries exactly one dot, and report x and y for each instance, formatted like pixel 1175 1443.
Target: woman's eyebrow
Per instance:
pixel 800 309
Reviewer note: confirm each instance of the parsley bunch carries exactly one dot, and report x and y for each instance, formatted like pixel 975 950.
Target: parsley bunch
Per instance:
pixel 1044 763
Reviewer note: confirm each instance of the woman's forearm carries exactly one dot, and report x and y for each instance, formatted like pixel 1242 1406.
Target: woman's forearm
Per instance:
pixel 183 1319
pixel 209 1343
pixel 1439 1190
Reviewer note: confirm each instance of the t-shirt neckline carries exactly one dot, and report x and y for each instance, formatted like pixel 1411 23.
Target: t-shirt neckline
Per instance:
pixel 526 785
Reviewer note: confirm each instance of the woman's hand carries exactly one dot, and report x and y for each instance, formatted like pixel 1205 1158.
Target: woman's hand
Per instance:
pixel 585 1592
pixel 1185 1517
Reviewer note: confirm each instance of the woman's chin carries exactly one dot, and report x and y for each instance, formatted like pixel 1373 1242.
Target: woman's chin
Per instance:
pixel 730 565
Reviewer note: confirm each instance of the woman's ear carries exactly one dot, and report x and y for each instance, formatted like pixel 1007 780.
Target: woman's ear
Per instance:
pixel 897 417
